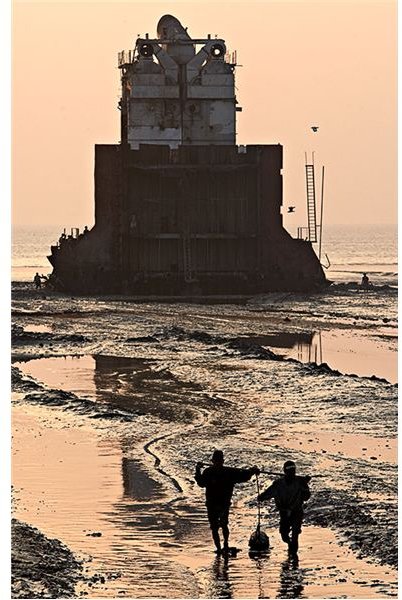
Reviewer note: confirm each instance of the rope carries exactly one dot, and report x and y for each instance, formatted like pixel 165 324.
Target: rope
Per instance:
pixel 258 502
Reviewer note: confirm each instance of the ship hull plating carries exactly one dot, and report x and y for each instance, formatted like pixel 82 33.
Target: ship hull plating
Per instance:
pixel 196 221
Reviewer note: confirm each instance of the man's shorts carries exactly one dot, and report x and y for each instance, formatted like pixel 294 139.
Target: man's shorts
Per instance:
pixel 218 516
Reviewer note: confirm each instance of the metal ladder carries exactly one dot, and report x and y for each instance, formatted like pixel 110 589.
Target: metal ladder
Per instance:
pixel 311 207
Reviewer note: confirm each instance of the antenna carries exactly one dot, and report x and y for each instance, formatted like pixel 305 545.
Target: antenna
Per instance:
pixel 321 212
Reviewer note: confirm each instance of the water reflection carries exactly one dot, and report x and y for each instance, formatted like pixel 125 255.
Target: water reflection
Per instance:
pixel 305 346
pixel 220 584
pixel 311 350
pixel 286 340
pixel 132 384
pixel 261 564
pixel 291 580
pixel 361 355
pixel 136 483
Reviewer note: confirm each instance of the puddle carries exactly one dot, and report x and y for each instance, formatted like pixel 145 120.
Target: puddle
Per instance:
pixel 72 481
pixel 38 328
pixel 343 352
pixel 285 340
pixel 69 373
pixel 128 384
pixel 351 445
pixel 137 484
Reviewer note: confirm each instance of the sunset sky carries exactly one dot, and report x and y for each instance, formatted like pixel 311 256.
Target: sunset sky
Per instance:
pixel 325 63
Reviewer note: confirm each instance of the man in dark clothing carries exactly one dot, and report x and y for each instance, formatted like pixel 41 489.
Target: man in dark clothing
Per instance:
pixel 37 281
pixel 219 482
pixel 365 284
pixel 289 493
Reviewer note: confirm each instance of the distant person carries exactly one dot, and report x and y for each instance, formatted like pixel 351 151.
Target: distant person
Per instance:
pixel 289 493
pixel 84 232
pixel 219 482
pixel 37 281
pixel 365 284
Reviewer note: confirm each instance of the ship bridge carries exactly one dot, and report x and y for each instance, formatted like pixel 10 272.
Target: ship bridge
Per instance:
pixel 177 90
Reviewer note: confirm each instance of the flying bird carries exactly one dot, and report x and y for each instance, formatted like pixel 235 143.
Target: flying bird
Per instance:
pixel 314 128
pixel 291 209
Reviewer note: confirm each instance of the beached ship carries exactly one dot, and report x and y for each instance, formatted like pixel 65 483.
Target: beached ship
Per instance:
pixel 180 209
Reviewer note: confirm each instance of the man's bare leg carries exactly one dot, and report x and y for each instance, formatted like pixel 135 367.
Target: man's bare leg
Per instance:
pixel 217 540
pixel 225 532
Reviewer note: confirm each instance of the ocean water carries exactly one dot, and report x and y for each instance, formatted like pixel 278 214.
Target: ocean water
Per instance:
pixel 351 251
pixel 30 248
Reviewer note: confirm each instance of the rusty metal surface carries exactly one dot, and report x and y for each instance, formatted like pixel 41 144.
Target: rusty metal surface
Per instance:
pixel 199 220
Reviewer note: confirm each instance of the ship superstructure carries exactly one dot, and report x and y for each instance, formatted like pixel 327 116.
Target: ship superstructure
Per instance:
pixel 177 90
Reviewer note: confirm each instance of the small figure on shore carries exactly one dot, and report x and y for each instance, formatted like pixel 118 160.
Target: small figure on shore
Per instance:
pixel 84 232
pixel 37 281
pixel 365 284
pixel 289 493
pixel 219 482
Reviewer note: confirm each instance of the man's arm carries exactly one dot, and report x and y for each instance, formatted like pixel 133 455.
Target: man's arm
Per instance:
pixel 305 489
pixel 243 475
pixel 269 493
pixel 199 477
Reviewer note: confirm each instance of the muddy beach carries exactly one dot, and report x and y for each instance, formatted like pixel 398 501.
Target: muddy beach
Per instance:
pixel 115 401
pixel 41 568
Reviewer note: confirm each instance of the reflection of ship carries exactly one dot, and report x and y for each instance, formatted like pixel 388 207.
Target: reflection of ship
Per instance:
pixel 283 339
pixel 137 484
pixel 305 346
pixel 179 208
pixel 310 351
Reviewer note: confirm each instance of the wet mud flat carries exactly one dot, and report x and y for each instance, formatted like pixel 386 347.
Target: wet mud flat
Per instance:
pixel 108 427
pixel 41 567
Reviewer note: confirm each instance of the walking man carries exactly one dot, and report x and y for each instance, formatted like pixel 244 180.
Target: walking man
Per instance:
pixel 289 493
pixel 219 482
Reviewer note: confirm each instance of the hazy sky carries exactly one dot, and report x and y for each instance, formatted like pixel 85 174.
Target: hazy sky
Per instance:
pixel 325 63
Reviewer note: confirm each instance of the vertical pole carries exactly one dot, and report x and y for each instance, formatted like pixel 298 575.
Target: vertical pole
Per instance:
pixel 320 346
pixel 321 211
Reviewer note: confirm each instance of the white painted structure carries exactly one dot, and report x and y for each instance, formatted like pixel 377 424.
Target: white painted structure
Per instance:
pixel 175 93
